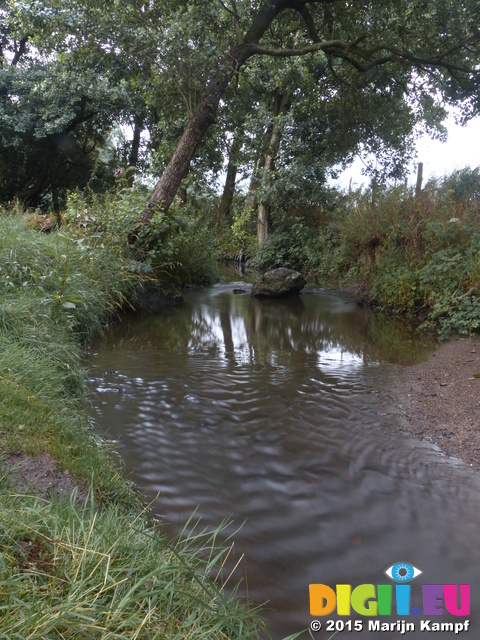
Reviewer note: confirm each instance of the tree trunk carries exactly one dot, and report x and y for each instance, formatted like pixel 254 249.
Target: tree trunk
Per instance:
pixel 225 206
pixel 177 168
pixel 133 158
pixel 27 195
pixel 205 112
pixel 263 212
pixel 257 172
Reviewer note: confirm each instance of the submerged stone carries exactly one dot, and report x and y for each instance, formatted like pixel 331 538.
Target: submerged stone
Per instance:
pixel 157 298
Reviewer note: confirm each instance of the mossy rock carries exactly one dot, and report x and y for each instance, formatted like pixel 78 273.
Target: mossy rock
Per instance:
pixel 279 283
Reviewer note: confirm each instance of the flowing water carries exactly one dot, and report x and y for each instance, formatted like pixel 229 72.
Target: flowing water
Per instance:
pixel 281 416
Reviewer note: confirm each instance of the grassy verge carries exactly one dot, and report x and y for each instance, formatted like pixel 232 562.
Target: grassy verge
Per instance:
pixel 69 568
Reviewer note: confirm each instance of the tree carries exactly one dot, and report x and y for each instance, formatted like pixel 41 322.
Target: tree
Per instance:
pixel 429 47
pixel 58 101
pixel 68 80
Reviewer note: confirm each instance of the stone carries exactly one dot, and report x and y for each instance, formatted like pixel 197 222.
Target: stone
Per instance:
pixel 279 283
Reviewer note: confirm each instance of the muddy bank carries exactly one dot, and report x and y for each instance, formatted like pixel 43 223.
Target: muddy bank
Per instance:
pixel 42 476
pixel 440 399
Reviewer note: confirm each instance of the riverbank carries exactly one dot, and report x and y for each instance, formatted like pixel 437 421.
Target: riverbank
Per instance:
pixel 440 399
pixel 81 554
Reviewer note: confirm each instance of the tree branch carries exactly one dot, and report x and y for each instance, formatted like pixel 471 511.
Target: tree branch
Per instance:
pixel 236 17
pixel 436 62
pixel 20 51
pixel 256 49
pixel 460 45
pixel 311 28
pixel 363 59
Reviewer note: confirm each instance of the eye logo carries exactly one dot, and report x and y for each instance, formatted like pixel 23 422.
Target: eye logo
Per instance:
pixel 402 572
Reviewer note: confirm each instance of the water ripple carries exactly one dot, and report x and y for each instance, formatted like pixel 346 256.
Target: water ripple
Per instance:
pixel 274 415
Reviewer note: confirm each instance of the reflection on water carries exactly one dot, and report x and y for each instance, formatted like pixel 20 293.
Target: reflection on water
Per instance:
pixel 273 413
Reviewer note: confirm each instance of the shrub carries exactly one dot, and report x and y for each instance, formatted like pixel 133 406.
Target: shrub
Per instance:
pixel 176 247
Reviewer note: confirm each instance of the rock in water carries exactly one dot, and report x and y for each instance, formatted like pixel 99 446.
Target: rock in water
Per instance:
pixel 279 283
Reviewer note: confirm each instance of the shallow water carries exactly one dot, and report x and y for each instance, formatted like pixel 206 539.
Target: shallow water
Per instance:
pixel 278 414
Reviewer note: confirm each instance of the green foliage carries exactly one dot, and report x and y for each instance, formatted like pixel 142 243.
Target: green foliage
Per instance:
pixel 395 284
pixel 287 247
pixel 241 236
pixel 175 247
pixel 56 113
pixel 329 259
pixel 455 313
pixel 449 282
pixel 181 250
pixel 412 255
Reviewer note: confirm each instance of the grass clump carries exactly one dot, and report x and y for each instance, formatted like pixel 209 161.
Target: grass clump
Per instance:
pixel 70 568
pixel 68 571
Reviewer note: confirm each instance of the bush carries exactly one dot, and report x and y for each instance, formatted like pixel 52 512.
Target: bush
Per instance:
pixel 412 254
pixel 176 247
pixel 287 246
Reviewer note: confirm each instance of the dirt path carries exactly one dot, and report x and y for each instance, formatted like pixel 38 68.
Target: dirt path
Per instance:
pixel 440 399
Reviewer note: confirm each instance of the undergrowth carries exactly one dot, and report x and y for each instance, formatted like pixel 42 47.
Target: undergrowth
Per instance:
pixel 414 255
pixel 176 247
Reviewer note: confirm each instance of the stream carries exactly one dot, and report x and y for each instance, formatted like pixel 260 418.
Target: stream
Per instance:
pixel 280 415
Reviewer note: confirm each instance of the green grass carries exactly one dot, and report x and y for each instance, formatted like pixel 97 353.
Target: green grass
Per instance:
pixel 69 571
pixel 55 291
pixel 100 569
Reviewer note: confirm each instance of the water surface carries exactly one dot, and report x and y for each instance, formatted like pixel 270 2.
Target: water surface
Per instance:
pixel 280 415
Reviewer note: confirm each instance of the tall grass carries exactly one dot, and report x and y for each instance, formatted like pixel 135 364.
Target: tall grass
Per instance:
pixel 98 569
pixel 69 571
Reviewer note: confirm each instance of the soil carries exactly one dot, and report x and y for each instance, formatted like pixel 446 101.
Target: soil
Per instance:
pixel 42 476
pixel 440 399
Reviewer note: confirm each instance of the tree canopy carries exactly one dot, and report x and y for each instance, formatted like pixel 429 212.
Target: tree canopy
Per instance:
pixel 290 87
pixel 420 49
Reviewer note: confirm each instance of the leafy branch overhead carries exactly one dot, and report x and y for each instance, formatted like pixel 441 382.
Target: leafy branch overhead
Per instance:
pixel 404 40
pixel 196 75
